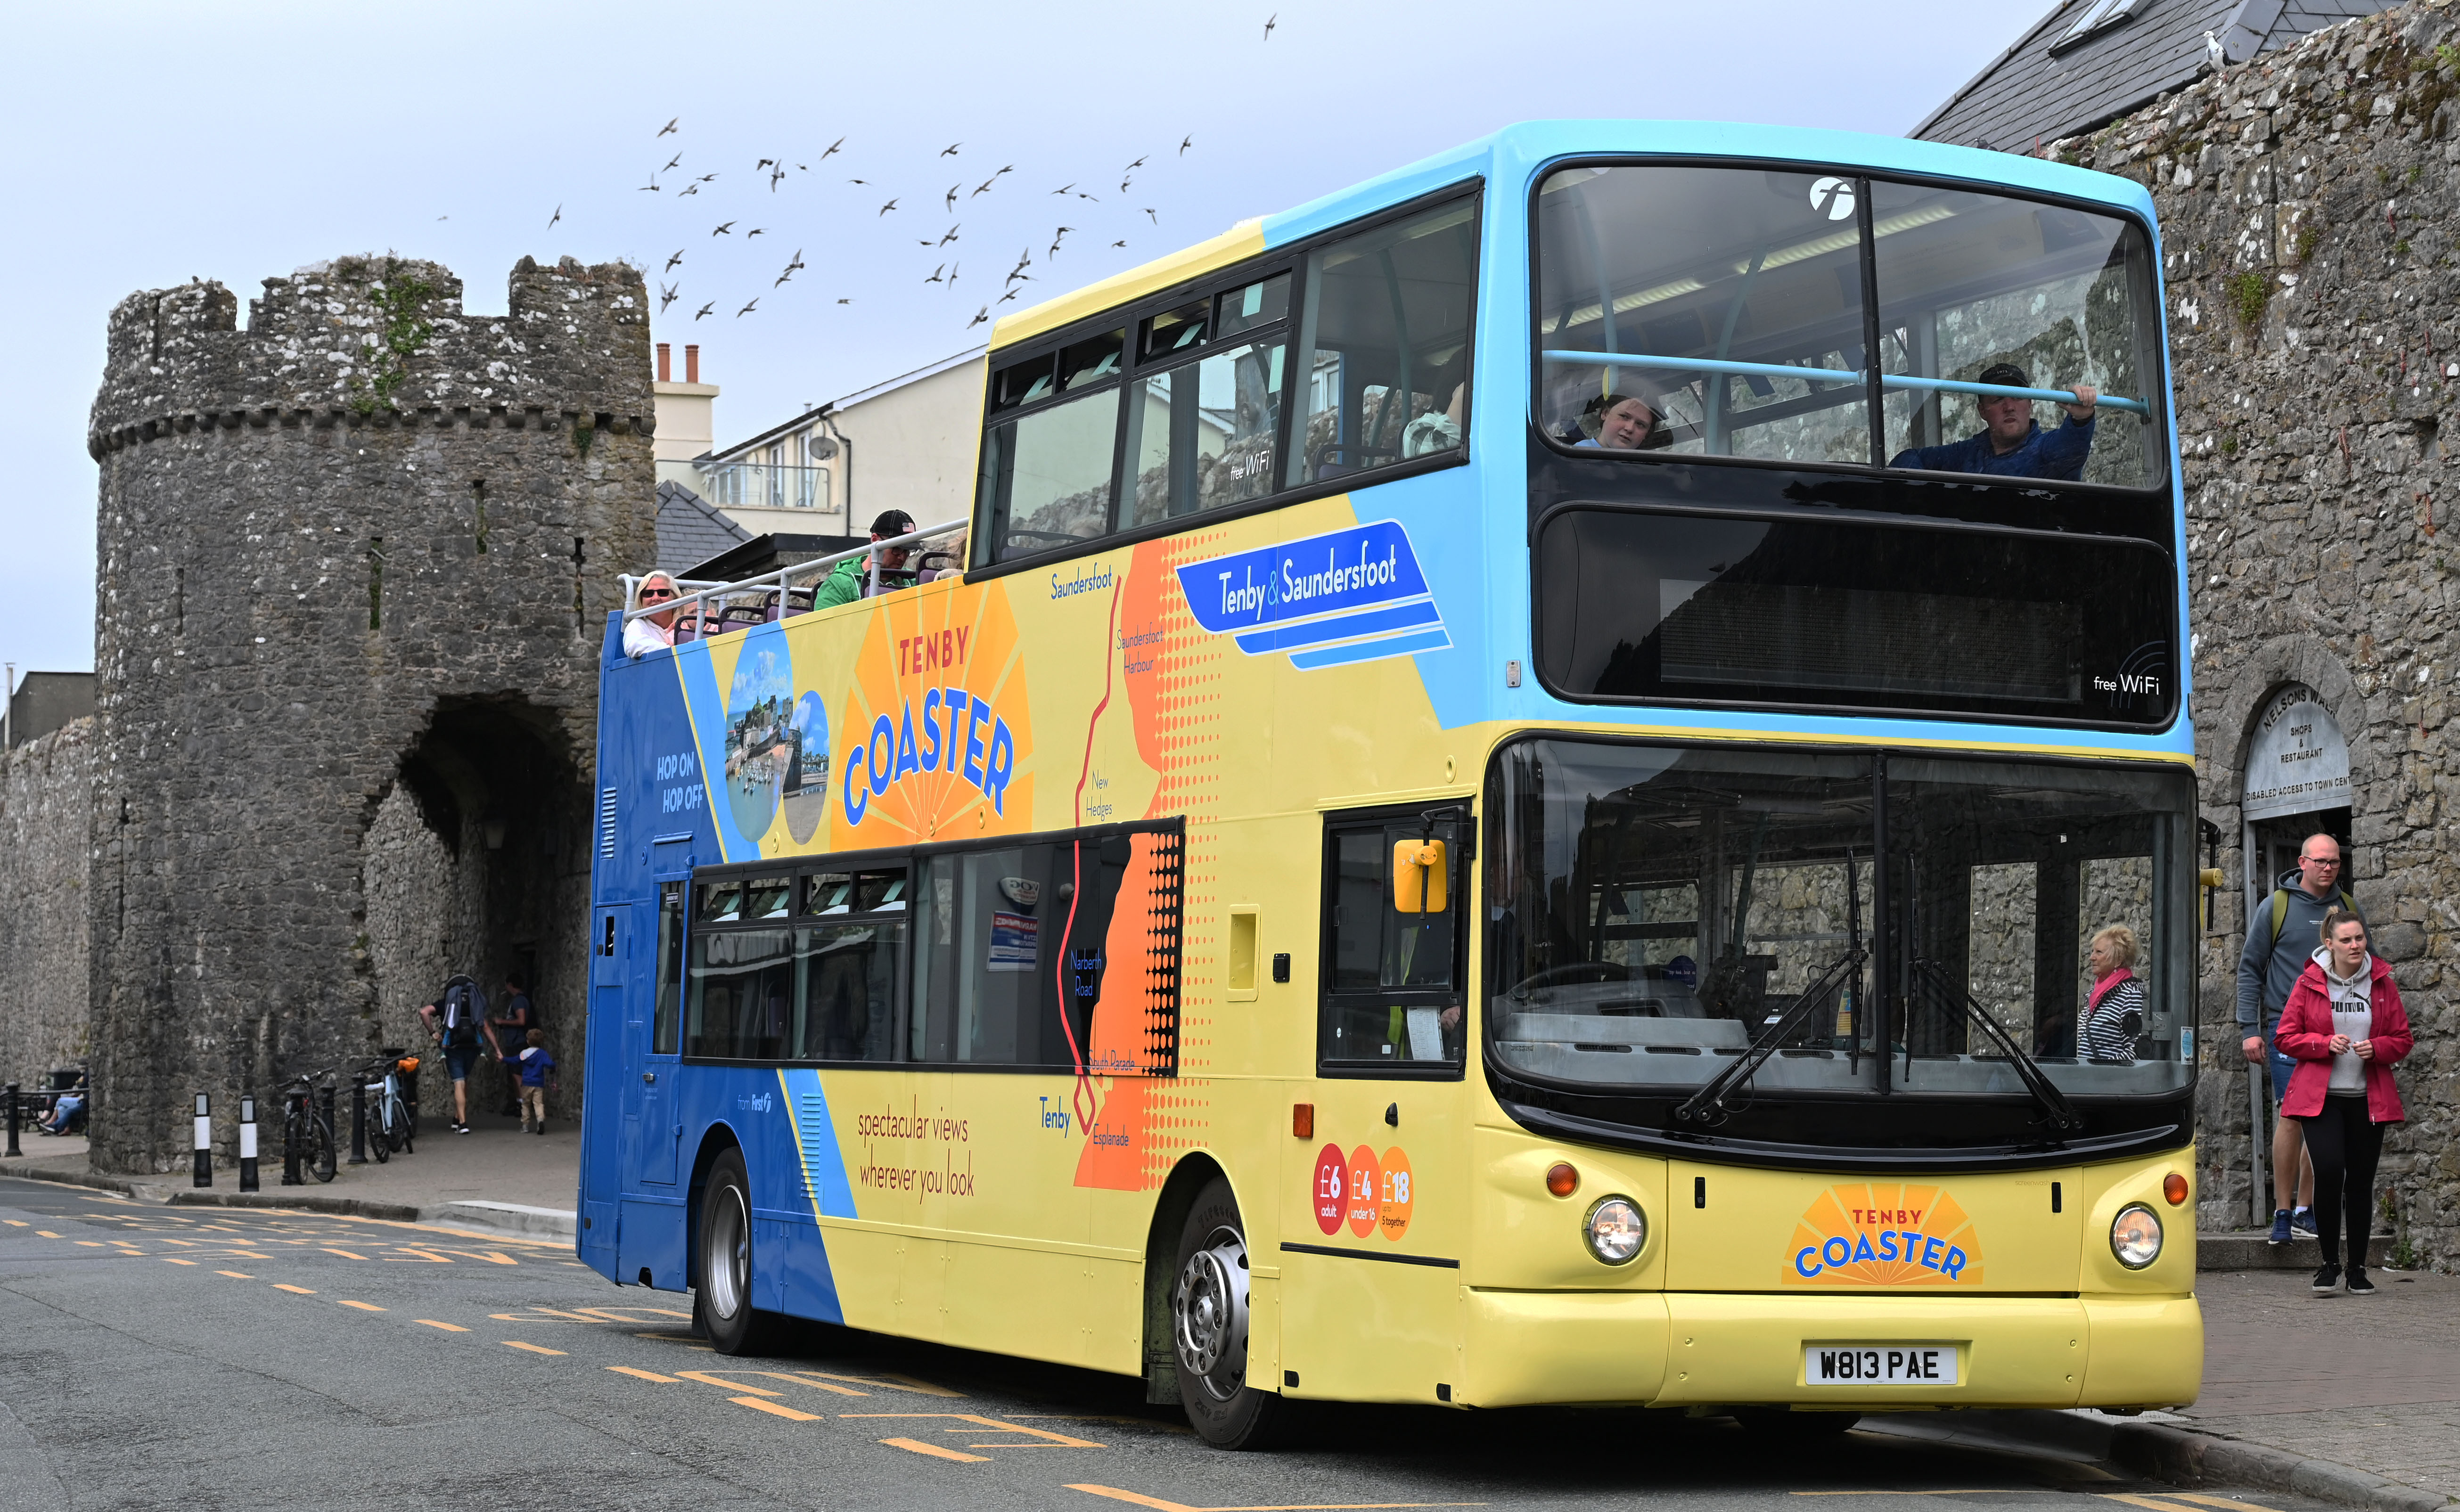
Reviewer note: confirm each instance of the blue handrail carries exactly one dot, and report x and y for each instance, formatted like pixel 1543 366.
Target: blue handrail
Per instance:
pixel 1834 375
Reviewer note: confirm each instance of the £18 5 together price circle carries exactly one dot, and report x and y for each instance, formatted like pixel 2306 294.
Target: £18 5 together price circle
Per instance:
pixel 1332 1188
pixel 1393 1211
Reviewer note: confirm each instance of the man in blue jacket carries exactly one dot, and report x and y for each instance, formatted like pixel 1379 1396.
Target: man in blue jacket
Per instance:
pixel 2010 443
pixel 2276 951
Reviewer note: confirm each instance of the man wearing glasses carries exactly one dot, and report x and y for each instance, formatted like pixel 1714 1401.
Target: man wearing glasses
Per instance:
pixel 652 632
pixel 2277 947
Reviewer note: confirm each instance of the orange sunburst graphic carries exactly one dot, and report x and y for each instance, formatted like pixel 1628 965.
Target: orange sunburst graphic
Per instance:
pixel 1885 1236
pixel 937 733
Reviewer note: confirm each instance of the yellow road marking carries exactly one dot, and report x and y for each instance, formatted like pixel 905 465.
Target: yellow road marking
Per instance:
pixel 19 1223
pixel 421 1256
pixel 327 1249
pixel 506 1318
pixel 717 1378
pixel 449 1328
pixel 364 1307
pixel 573 1316
pixel 1958 1491
pixel 175 1260
pixel 534 1349
pixel 285 1285
pixel 91 1244
pixel 2218 1501
pixel 185 1244
pixel 917 1446
pixel 1133 1499
pixel 47 1233
pixel 236 1275
pixel 247 1254
pixel 814 1383
pixel 1045 1439
pixel 637 1372
pixel 787 1413
pixel 2152 1503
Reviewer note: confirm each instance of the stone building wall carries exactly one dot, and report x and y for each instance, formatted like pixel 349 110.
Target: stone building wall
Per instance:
pixel 45 789
pixel 2309 203
pixel 355 562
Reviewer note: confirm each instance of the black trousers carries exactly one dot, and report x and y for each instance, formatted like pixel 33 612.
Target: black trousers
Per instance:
pixel 2344 1141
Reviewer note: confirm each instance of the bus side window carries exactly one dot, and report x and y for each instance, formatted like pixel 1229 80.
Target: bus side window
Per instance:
pixel 667 1015
pixel 1384 344
pixel 1391 988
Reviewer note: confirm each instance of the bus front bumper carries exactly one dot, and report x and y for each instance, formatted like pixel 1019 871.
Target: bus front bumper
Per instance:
pixel 1684 1349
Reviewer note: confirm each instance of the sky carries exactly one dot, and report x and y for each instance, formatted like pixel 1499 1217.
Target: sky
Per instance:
pixel 159 143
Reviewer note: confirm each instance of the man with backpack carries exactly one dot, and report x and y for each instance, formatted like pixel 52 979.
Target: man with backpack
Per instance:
pixel 2276 950
pixel 455 1022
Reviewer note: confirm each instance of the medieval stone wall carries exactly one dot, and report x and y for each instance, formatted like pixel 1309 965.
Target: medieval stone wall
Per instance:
pixel 44 787
pixel 2308 202
pixel 364 548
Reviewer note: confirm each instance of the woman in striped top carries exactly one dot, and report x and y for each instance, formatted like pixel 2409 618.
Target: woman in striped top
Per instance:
pixel 2113 1014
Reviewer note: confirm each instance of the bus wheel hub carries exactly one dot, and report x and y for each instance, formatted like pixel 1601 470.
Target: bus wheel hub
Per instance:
pixel 1209 1312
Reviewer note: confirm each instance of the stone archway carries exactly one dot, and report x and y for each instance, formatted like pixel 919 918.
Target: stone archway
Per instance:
pixel 477 860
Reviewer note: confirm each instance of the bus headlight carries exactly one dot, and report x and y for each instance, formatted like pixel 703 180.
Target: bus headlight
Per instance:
pixel 1615 1230
pixel 2136 1236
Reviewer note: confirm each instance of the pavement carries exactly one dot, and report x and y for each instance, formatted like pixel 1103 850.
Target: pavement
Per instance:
pixel 496 1177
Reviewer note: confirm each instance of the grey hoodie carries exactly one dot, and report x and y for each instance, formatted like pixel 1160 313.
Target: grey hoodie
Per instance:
pixel 2348 995
pixel 2268 967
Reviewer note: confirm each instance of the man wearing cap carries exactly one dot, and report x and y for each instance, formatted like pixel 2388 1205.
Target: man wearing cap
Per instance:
pixel 851 580
pixel 2011 444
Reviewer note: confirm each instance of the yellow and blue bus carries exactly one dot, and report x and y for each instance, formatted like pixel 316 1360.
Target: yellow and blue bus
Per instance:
pixel 1558 777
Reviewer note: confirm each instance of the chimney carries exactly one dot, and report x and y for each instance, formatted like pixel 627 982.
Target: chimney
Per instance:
pixel 692 365
pixel 665 363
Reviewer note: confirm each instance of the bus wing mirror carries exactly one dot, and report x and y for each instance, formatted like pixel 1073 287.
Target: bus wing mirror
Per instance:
pixel 1420 878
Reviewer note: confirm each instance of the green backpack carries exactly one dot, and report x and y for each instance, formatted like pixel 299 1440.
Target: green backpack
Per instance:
pixel 2281 910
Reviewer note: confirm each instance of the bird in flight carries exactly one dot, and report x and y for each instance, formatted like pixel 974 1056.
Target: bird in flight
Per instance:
pixel 1118 243
pixel 705 177
pixel 980 316
pixel 884 209
pixel 774 175
pixel 1156 220
pixel 705 309
pixel 753 232
pixel 745 310
pixel 984 187
pixel 670 126
pixel 668 295
pixel 797 262
pixel 826 156
pixel 1134 166
pixel 1082 194
pixel 952 273
pixel 1186 142
pixel 762 163
pixel 865 181
pixel 1004 298
pixel 1123 186
pixel 1268 25
pixel 671 162
pixel 845 301
pixel 651 187
pixel 688 189
pixel 950 151
pixel 949 200
pixel 1063 189
pixel 935 274
pixel 672 261
pixel 951 236
pixel 783 277
pixel 727 229
pixel 551 220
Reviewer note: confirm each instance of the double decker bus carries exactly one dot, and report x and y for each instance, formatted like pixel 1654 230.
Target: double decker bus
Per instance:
pixel 1535 791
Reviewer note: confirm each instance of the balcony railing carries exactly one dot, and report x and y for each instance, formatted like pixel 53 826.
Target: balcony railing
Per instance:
pixel 763 485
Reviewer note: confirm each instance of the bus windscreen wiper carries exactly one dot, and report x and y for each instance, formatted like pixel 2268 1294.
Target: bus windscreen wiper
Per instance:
pixel 2061 1115
pixel 1708 1106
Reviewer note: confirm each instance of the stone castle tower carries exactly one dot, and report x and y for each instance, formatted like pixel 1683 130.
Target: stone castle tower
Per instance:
pixel 354 564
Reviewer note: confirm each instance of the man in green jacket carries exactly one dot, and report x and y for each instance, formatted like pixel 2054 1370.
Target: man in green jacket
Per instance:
pixel 847 582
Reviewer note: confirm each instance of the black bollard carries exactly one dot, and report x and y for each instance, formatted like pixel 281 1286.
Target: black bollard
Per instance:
pixel 248 1141
pixel 204 1139
pixel 325 1102
pixel 12 1120
pixel 294 1134
pixel 358 1120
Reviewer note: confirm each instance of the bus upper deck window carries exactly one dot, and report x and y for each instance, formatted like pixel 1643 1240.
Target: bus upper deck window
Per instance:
pixel 721 902
pixel 1384 346
pixel 1258 303
pixel 767 898
pixel 1173 331
pixel 1091 360
pixel 1023 383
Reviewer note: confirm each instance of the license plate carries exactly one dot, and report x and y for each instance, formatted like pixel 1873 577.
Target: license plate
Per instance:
pixel 1879 1364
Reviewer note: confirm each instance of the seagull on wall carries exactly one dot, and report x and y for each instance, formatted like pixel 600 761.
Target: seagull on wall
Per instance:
pixel 2215 53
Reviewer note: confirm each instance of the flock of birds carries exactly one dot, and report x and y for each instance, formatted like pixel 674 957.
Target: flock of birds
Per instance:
pixel 782 171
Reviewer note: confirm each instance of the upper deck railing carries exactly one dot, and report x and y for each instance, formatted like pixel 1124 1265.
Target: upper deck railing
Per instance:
pixel 704 609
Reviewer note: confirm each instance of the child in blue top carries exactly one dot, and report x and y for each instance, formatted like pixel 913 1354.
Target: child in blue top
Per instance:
pixel 535 1063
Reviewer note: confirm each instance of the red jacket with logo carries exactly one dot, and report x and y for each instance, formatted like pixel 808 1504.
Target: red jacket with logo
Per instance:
pixel 2304 1035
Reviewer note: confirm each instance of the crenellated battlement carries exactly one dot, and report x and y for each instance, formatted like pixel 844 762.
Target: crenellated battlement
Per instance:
pixel 379 341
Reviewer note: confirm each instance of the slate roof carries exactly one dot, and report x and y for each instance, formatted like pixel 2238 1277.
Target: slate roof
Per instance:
pixel 2030 95
pixel 691 529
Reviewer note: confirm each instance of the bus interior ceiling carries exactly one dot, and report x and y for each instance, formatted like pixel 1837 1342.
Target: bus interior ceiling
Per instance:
pixel 476 860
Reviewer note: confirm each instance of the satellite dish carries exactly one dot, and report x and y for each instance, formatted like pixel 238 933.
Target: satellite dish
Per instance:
pixel 821 449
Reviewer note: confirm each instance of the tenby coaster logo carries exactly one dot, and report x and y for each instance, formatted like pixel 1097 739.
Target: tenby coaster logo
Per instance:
pixel 1350 594
pixel 1884 1235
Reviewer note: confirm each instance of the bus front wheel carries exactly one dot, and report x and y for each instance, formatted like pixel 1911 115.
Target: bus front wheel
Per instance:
pixel 723 1299
pixel 1208 1325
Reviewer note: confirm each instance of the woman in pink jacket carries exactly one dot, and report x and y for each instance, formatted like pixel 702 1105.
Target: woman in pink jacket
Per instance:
pixel 2344 1026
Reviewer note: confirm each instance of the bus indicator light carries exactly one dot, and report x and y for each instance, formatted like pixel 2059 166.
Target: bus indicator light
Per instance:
pixel 1332 1188
pixel 1366 1192
pixel 1561 1179
pixel 1301 1120
pixel 2174 1187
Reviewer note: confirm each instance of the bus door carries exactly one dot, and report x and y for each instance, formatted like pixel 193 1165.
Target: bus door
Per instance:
pixel 652 1040
pixel 613 970
pixel 1372 1255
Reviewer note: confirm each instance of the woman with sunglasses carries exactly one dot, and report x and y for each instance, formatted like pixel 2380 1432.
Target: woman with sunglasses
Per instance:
pixel 652 632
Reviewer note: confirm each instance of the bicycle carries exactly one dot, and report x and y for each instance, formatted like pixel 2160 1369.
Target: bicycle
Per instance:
pixel 391 1124
pixel 306 1128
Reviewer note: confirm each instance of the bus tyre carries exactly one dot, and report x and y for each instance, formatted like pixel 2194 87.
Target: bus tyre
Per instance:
pixel 722 1254
pixel 1208 1326
pixel 1779 1425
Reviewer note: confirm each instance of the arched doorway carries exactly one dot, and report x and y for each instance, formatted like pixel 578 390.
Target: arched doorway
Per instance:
pixel 476 861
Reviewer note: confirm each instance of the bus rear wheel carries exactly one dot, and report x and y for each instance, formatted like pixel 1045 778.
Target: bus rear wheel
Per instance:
pixel 1208 1326
pixel 723 1248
